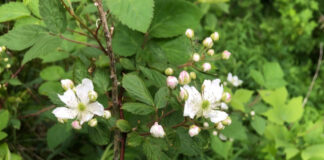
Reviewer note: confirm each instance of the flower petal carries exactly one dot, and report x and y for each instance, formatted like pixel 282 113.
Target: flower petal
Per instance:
pixel 96 108
pixel 69 99
pixel 64 113
pixel 193 103
pixel 212 91
pixel 84 117
pixel 217 116
pixel 82 90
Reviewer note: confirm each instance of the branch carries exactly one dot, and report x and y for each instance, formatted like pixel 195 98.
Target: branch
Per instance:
pixel 15 74
pixel 77 42
pixel 315 75
pixel 38 112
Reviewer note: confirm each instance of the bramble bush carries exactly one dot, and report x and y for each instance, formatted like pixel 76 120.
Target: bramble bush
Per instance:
pixel 161 79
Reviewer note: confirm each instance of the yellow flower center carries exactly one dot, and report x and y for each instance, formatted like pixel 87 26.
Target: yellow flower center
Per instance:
pixel 81 107
pixel 205 104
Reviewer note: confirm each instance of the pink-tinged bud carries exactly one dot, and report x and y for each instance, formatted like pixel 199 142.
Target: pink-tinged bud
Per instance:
pixel 172 82
pixel 196 57
pixel 67 84
pixel 183 94
pixel 184 78
pixel 215 36
pixel 252 113
pixel 227 121
pixel 220 126
pixel 226 54
pixel 226 97
pixel 208 42
pixel 206 124
pixel 206 66
pixel 215 133
pixel 157 131
pixel 211 52
pixel 194 130
pixel 190 33
pixel 168 71
pixel 76 125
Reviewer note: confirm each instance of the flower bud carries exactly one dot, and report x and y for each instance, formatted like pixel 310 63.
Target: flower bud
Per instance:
pixel 76 125
pixel 3 48
pixel 59 119
pixel 226 54
pixel 168 71
pixel 172 82
pixel 190 33
pixel 8 65
pixel 224 106
pixel 210 52
pixel 222 137
pixel 93 122
pixel 6 59
pixel 194 130
pixel 184 78
pixel 226 97
pixel 208 42
pixel 92 96
pixel 183 94
pixel 252 113
pixel 227 121
pixel 206 67
pixel 157 131
pixel 106 114
pixel 206 125
pixel 196 57
pixel 215 36
pixel 220 126
pixel 215 133
pixel 193 75
pixel 67 84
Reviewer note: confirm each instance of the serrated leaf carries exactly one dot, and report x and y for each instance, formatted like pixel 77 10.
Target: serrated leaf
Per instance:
pixel 127 64
pixel 257 76
pixel 134 139
pixel 135 14
pixel 44 45
pixel 161 97
pixel 54 56
pixel 241 97
pixel 53 14
pixel 236 130
pixel 156 77
pixel 138 108
pixel 152 148
pixel 273 75
pixel 33 5
pixel 58 134
pixel 101 80
pixel 123 125
pixel 172 18
pixel 313 151
pixel 126 42
pixel 14 82
pixel 22 37
pixel 259 124
pixel 80 71
pixel 177 51
pixel 137 89
pixel 3 135
pixel 188 145
pixel 52 73
pixel 219 147
pixel 4 119
pixel 99 134
pixel 13 10
pixel 275 97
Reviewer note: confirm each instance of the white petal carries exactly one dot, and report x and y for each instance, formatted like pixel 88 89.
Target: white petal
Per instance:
pixel 82 90
pixel 212 91
pixel 217 116
pixel 69 98
pixel 85 117
pixel 96 108
pixel 230 77
pixel 193 103
pixel 64 113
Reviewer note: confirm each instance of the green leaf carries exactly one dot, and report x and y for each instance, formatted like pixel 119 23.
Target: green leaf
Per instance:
pixel 4 118
pixel 156 77
pixel 314 151
pixel 236 130
pixel 53 14
pixel 219 147
pixel 13 10
pixel 188 145
pixel 241 97
pixel 50 87
pixel 161 97
pixel 275 97
pixel 259 124
pixel 135 14
pixel 123 125
pixel 99 134
pixel 44 45
pixel 15 123
pixel 153 149
pixel 136 88
pixel 127 64
pixel 33 5
pixel 3 135
pixel 14 82
pixel 210 22
pixel 126 42
pixel 54 56
pixel 52 73
pixel 291 152
pixel 177 51
pixel 173 17
pixel 80 71
pixel 273 75
pixel 101 80
pixel 257 76
pixel 57 135
pixel 22 37
pixel 134 139
pixel 5 152
pixel 138 108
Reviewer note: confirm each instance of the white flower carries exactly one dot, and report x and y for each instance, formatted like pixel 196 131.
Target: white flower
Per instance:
pixel 78 104
pixel 168 71
pixel 194 130
pixel 172 82
pixel 157 130
pixel 196 57
pixel 93 122
pixel 234 80
pixel 226 54
pixel 211 52
pixel 208 42
pixel 215 36
pixel 106 114
pixel 190 33
pixel 67 84
pixel 76 125
pixel 206 66
pixel 205 104
pixel 184 78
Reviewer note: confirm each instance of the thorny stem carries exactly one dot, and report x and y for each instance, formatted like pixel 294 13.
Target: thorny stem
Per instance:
pixel 118 137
